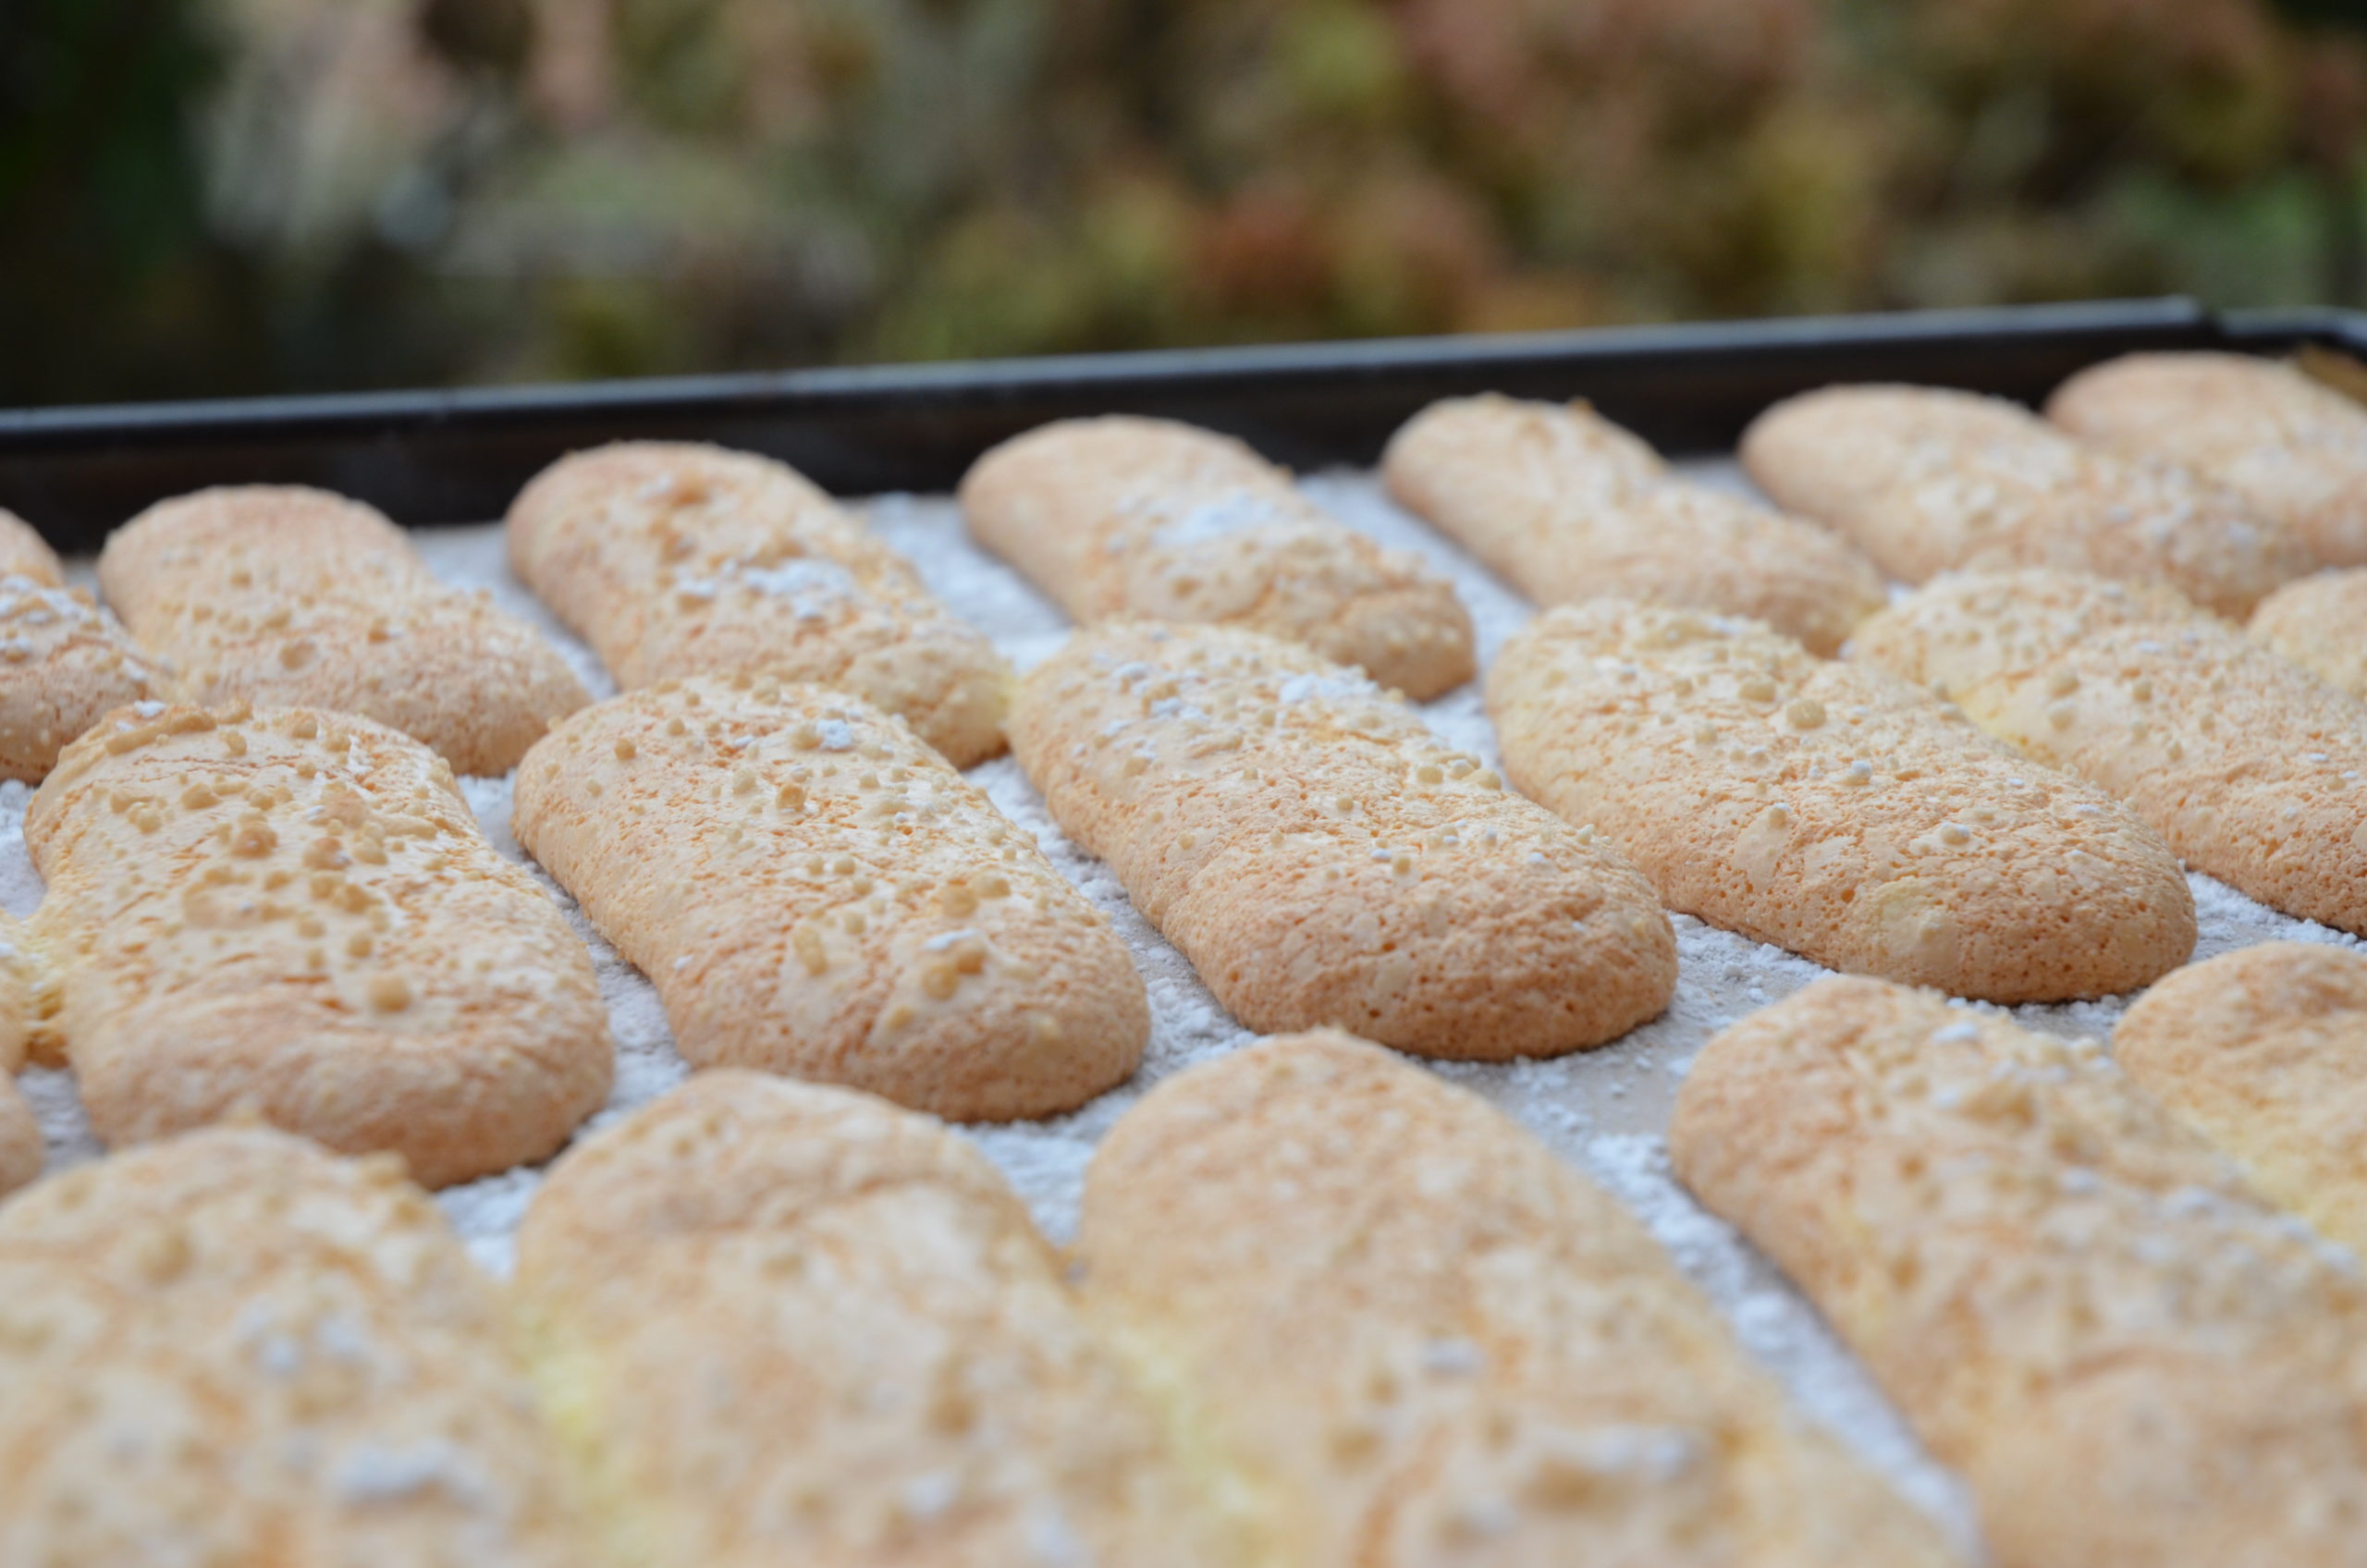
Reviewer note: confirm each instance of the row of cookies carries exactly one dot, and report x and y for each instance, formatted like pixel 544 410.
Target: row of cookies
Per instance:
pixel 1324 1309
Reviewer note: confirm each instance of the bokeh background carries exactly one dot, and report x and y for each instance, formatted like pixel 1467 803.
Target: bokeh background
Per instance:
pixel 228 196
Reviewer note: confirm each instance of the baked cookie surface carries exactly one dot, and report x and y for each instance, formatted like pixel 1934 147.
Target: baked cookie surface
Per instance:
pixel 293 913
pixel 1831 809
pixel 1565 506
pixel 2131 1357
pixel 64 661
pixel 230 1347
pixel 783 1323
pixel 675 559
pixel 293 597
pixel 2293 448
pixel 2315 622
pixel 1409 1334
pixel 1927 481
pixel 1322 858
pixel 2250 768
pixel 1121 516
pixel 813 891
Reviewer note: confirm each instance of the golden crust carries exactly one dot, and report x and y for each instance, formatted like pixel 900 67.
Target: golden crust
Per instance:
pixel 64 661
pixel 2315 622
pixel 2295 449
pixel 1929 481
pixel 1831 809
pixel 2263 1051
pixel 1566 507
pixel 1144 517
pixel 233 1348
pixel 789 1324
pixel 1323 859
pixel 293 597
pixel 20 1141
pixel 2253 771
pixel 813 891
pixel 292 912
pixel 1406 1333
pixel 675 559
pixel 2129 1356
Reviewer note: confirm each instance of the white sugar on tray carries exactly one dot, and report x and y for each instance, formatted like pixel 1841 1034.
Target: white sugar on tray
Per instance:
pixel 1605 1110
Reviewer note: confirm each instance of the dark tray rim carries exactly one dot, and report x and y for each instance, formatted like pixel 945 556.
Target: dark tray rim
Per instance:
pixel 430 456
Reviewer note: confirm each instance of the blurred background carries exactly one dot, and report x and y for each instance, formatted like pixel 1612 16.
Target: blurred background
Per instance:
pixel 207 197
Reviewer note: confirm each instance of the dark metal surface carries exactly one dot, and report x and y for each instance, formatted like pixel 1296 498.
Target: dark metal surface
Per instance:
pixel 459 456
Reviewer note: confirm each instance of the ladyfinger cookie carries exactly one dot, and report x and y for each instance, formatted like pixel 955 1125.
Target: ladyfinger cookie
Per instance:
pixel 2250 768
pixel 675 559
pixel 1831 809
pixel 1565 506
pixel 2131 1358
pixel 1150 517
pixel 1929 481
pixel 2263 1051
pixel 1321 858
pixel 813 891
pixel 1405 1334
pixel 780 1323
pixel 64 661
pixel 2316 621
pixel 233 1348
pixel 286 597
pixel 20 1145
pixel 2293 449
pixel 293 913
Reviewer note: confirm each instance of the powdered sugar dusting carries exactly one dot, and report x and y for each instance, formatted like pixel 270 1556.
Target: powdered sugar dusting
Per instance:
pixel 1604 1111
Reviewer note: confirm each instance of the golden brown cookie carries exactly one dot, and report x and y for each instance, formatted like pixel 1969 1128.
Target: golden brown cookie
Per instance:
pixel 1321 858
pixel 2317 622
pixel 813 891
pixel 675 559
pixel 233 1348
pixel 286 597
pixel 64 661
pixel 1146 516
pixel 1831 809
pixel 1929 481
pixel 1565 506
pixel 2131 1358
pixel 2263 1051
pixel 2293 448
pixel 20 1141
pixel 782 1324
pixel 2253 771
pixel 1408 1333
pixel 292 912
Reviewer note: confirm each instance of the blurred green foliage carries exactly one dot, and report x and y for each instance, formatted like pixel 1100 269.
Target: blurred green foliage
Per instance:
pixel 217 196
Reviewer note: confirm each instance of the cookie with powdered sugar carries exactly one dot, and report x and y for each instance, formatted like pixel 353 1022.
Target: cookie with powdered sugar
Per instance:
pixel 1410 1334
pixel 1831 809
pixel 2128 1353
pixel 674 560
pixel 2263 1051
pixel 292 598
pixel 64 661
pixel 292 914
pixel 1565 506
pixel 2293 448
pixel 21 1142
pixel 2249 766
pixel 1321 858
pixel 813 891
pixel 1927 481
pixel 2315 622
pixel 1146 516
pixel 794 1324
pixel 234 1348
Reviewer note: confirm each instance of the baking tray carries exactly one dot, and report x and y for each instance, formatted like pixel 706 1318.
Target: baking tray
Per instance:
pixel 895 435
pixel 425 456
